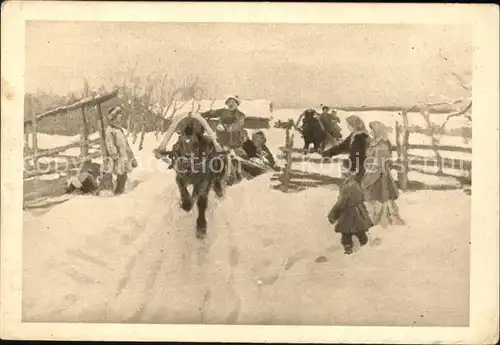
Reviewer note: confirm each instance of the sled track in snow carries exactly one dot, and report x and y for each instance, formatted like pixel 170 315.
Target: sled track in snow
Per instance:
pixel 172 267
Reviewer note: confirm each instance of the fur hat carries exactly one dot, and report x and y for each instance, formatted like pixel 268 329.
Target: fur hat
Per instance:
pixel 234 98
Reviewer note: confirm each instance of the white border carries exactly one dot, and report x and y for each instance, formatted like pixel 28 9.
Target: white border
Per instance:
pixel 484 299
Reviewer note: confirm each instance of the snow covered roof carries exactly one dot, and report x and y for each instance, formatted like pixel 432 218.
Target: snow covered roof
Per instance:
pixel 258 108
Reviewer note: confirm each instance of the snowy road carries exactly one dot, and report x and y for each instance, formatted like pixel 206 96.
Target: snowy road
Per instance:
pixel 134 258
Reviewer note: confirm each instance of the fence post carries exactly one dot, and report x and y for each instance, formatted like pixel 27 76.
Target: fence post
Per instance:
pixel 26 141
pixel 143 132
pixel 106 178
pixel 402 159
pixel 102 132
pixel 288 150
pixel 84 136
pixel 34 134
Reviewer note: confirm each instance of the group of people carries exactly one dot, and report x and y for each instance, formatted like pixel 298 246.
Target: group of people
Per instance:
pixel 120 160
pixel 368 194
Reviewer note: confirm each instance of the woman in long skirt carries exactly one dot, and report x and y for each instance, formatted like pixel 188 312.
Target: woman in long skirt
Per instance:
pixel 380 188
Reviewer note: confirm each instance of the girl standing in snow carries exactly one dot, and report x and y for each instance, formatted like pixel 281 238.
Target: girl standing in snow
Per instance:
pixel 380 188
pixel 355 144
pixel 349 214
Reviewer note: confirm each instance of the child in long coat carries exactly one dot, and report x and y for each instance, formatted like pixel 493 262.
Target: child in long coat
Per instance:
pixel 121 160
pixel 380 188
pixel 349 214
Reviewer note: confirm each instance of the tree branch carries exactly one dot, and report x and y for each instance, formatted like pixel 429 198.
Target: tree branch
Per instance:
pixel 461 112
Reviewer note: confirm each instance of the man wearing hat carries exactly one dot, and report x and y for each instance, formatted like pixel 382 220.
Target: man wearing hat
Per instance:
pixel 121 159
pixel 230 125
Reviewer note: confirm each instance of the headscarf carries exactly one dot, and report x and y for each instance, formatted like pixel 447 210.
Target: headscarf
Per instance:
pixel 380 133
pixel 261 134
pixel 356 123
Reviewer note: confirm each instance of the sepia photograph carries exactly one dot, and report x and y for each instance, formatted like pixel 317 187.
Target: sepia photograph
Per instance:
pixel 251 170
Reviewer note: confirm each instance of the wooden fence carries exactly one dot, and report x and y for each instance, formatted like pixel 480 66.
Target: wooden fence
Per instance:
pixel 404 163
pixel 33 153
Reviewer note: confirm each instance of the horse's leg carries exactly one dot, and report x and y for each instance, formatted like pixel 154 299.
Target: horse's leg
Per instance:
pixel 202 190
pixel 218 175
pixel 186 200
pixel 307 142
pixel 219 190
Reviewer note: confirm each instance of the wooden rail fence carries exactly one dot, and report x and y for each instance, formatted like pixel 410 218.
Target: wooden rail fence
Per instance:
pixel 404 163
pixel 32 155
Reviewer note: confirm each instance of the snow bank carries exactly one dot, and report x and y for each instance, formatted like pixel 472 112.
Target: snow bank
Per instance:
pixel 134 258
pixel 402 281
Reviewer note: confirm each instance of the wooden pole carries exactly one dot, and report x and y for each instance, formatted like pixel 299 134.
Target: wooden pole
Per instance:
pixel 288 166
pixel 84 135
pixel 26 141
pixel 102 132
pixel 34 137
pixel 89 101
pixel 106 179
pixel 129 124
pixel 143 132
pixel 402 177
pixel 405 138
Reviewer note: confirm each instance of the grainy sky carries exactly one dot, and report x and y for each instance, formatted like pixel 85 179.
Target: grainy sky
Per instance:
pixel 291 64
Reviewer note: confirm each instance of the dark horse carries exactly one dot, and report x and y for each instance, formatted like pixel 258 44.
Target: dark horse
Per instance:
pixel 196 162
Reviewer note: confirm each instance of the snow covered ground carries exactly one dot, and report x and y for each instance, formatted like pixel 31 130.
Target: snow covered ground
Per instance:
pixel 134 258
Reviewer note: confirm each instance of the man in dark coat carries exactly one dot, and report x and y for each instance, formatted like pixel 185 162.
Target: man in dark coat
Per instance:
pixel 230 125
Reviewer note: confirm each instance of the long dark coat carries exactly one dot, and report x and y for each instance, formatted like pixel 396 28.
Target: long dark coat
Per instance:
pixel 355 144
pixel 349 211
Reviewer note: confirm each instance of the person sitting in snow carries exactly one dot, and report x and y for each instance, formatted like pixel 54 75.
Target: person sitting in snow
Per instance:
pixel 86 180
pixel 350 215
